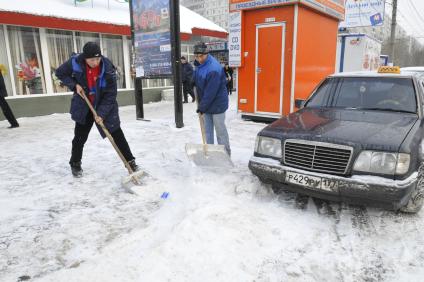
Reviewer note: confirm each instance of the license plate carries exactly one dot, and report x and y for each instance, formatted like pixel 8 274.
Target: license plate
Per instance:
pixel 312 181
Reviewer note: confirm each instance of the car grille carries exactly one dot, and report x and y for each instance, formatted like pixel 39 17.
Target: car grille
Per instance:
pixel 317 156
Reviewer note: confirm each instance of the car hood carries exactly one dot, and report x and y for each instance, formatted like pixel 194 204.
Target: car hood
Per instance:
pixel 377 130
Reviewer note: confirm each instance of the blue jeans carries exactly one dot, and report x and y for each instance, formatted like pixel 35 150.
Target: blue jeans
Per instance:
pixel 217 121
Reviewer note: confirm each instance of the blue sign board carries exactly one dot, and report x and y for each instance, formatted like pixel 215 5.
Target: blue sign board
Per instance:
pixel 152 38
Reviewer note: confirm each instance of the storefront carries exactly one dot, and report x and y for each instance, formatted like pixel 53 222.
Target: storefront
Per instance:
pixel 35 40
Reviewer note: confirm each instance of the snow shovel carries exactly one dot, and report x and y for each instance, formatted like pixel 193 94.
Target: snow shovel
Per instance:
pixel 134 177
pixel 207 155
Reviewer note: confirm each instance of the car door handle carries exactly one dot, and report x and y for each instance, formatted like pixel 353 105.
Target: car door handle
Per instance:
pixel 258 70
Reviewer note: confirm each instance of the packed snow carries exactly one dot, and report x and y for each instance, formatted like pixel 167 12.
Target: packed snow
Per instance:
pixel 214 225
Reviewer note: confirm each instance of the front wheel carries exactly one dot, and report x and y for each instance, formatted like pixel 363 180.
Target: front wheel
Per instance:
pixel 416 201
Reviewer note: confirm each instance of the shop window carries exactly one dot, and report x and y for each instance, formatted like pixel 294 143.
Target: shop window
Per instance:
pixel 83 37
pixel 26 59
pixel 4 66
pixel 112 49
pixel 132 68
pixel 60 48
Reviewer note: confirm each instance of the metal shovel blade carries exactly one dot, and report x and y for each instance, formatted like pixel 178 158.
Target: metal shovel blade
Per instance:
pixel 208 155
pixel 133 179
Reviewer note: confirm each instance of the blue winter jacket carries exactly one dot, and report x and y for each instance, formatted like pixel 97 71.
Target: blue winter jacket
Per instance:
pixel 73 72
pixel 210 82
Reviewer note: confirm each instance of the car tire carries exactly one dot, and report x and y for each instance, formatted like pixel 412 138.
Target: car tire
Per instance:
pixel 416 201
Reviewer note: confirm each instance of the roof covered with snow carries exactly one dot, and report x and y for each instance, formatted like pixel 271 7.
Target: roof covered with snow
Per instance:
pixel 102 11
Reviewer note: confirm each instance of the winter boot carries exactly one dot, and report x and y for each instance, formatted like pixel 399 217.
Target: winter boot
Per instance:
pixel 76 169
pixel 133 165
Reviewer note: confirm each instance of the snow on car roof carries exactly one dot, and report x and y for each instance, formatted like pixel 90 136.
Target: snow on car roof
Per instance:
pixel 375 74
pixel 419 69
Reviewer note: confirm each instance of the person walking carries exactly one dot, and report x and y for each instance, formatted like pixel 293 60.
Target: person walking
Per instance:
pixel 211 86
pixel 93 75
pixel 229 74
pixel 187 79
pixel 8 114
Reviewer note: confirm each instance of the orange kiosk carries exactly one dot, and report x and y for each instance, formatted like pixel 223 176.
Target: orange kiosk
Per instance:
pixel 282 49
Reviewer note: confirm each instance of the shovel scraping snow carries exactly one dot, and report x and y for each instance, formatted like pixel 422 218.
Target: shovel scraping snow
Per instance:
pixel 208 155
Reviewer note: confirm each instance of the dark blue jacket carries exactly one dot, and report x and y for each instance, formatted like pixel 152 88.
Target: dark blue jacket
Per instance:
pixel 187 72
pixel 211 86
pixel 73 72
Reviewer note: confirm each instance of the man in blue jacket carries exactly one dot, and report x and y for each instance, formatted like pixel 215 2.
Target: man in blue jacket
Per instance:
pixel 92 74
pixel 211 86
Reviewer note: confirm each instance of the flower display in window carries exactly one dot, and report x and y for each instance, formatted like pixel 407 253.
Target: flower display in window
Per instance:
pixel 3 69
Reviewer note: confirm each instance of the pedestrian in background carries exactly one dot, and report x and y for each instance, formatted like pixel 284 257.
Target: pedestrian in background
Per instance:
pixel 93 74
pixel 187 79
pixel 229 74
pixel 211 86
pixel 5 106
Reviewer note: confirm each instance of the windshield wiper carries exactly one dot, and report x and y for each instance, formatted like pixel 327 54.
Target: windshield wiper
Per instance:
pixel 387 110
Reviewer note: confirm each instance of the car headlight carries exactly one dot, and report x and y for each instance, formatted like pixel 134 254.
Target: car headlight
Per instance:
pixel 268 146
pixel 382 162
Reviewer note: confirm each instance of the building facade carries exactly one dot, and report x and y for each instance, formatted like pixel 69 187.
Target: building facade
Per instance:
pixel 33 45
pixel 214 10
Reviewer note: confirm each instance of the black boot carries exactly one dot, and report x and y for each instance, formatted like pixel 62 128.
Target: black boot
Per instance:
pixel 76 169
pixel 133 165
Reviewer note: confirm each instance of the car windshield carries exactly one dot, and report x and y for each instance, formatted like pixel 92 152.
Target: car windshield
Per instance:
pixel 372 93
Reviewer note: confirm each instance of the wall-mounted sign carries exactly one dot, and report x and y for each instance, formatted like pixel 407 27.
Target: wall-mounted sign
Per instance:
pixel 234 39
pixel 363 13
pixel 333 8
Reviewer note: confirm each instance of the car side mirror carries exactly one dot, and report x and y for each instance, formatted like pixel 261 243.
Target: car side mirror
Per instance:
pixel 299 103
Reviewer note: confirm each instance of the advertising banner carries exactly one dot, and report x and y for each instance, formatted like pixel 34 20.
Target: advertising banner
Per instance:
pixel 363 13
pixel 234 39
pixel 333 8
pixel 152 38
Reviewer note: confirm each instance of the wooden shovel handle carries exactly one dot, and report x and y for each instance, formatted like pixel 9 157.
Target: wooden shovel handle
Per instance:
pixel 108 135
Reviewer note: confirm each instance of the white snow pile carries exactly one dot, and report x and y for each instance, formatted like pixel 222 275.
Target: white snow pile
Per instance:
pixel 213 226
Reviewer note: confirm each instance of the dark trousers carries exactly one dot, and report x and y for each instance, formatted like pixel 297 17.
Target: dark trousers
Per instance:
pixel 81 134
pixel 187 89
pixel 7 112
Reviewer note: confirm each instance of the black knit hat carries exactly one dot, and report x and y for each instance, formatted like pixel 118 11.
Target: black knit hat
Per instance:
pixel 91 50
pixel 200 48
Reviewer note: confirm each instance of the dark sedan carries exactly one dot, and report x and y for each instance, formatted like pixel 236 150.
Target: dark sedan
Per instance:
pixel 358 138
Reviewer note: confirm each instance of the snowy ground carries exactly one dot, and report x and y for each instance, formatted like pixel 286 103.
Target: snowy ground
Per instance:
pixel 214 226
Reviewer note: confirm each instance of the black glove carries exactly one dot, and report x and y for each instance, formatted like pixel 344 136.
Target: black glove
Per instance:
pixel 199 112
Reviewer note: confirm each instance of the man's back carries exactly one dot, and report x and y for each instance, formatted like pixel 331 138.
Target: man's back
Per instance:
pixel 211 84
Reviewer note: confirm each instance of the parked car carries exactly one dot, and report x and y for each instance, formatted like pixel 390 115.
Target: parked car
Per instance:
pixel 359 138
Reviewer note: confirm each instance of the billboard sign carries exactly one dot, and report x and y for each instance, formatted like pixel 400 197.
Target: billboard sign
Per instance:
pixel 234 39
pixel 363 13
pixel 152 38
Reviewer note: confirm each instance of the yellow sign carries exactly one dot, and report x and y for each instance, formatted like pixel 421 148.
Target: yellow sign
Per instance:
pixel 387 69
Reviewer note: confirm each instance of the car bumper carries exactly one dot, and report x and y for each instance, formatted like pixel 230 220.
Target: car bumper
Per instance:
pixel 368 190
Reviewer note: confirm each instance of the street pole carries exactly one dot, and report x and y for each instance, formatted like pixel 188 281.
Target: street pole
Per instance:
pixel 138 83
pixel 393 31
pixel 176 63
